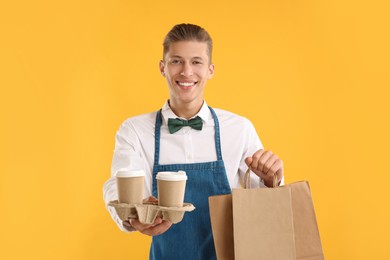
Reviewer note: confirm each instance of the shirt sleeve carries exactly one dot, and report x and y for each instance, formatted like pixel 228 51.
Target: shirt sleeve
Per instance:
pixel 109 194
pixel 252 144
pixel 125 157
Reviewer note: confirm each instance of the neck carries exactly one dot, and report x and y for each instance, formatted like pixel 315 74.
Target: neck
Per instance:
pixel 185 110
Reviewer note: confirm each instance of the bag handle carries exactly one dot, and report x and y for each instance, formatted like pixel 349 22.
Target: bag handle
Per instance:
pixel 247 179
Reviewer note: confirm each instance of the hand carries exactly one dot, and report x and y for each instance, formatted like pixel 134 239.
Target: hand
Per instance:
pixel 157 228
pixel 265 164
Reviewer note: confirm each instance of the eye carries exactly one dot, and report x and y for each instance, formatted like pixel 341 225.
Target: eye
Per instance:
pixel 175 61
pixel 196 62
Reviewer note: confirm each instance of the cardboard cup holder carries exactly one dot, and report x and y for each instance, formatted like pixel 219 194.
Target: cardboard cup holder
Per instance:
pixel 147 212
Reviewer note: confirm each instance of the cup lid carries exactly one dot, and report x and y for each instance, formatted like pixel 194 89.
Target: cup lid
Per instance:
pixel 122 173
pixel 172 176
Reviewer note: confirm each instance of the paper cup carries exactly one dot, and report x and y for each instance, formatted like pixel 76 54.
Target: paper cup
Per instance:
pixel 171 188
pixel 130 186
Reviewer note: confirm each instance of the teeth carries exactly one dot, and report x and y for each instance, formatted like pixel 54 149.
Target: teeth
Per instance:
pixel 185 84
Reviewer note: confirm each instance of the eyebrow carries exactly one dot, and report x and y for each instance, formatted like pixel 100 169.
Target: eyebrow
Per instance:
pixel 180 57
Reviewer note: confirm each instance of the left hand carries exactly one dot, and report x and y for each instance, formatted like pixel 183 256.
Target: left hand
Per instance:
pixel 157 228
pixel 266 164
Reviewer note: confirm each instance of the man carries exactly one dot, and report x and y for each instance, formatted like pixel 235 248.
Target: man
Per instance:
pixel 215 155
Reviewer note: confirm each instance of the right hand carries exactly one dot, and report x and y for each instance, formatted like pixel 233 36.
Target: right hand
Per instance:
pixel 157 228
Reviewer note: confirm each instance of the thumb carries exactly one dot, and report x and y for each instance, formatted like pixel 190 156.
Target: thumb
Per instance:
pixel 248 161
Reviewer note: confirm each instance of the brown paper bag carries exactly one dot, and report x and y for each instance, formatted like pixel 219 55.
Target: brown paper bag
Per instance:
pixel 221 217
pixel 275 223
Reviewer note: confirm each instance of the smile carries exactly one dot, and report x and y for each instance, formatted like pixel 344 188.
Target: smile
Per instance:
pixel 186 84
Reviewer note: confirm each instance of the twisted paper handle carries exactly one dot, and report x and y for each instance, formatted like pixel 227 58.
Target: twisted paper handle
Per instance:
pixel 247 179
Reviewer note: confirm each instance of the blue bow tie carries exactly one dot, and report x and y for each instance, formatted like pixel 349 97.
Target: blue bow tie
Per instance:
pixel 175 125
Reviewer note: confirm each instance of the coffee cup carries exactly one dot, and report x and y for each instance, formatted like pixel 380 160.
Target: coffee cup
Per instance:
pixel 171 188
pixel 130 184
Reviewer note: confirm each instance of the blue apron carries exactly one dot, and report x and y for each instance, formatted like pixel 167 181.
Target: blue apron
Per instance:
pixel 192 237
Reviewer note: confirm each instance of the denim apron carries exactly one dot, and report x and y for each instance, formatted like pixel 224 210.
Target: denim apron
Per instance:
pixel 192 237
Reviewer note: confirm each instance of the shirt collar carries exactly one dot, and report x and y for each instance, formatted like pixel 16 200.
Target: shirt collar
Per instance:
pixel 203 113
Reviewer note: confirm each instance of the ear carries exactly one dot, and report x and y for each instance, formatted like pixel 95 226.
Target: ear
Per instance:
pixel 162 66
pixel 211 70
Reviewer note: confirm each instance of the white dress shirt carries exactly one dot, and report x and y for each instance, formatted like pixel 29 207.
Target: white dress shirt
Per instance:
pixel 134 147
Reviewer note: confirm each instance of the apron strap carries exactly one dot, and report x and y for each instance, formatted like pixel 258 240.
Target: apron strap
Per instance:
pixel 217 135
pixel 157 134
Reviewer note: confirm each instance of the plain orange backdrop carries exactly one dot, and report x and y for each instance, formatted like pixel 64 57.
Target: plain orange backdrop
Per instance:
pixel 313 77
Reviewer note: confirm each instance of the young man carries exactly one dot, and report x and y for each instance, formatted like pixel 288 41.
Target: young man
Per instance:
pixel 215 153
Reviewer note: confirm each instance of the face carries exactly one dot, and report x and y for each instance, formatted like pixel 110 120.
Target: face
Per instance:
pixel 187 68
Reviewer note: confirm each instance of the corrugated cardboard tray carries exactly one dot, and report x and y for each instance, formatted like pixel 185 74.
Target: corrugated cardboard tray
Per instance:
pixel 147 212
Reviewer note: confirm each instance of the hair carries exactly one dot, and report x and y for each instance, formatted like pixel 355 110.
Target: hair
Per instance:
pixel 188 32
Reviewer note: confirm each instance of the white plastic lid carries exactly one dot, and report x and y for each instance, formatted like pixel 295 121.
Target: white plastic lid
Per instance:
pixel 125 173
pixel 172 176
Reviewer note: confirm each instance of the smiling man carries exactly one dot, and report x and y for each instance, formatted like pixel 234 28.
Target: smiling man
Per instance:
pixel 214 148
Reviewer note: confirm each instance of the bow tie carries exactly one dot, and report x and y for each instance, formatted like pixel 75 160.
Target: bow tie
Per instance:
pixel 175 125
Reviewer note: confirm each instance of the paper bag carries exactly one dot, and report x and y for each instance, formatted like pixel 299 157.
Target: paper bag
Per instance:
pixel 277 223
pixel 307 236
pixel 263 224
pixel 221 217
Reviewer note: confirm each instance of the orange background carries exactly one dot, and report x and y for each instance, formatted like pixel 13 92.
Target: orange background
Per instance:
pixel 313 77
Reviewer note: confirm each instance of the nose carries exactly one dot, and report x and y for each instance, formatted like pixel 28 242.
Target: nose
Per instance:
pixel 187 70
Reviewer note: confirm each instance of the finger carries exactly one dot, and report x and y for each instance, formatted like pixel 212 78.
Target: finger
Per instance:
pixel 157 221
pixel 248 161
pixel 268 164
pixel 276 168
pixel 126 223
pixel 263 159
pixel 280 171
pixel 150 199
pixel 139 226
pixel 255 158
